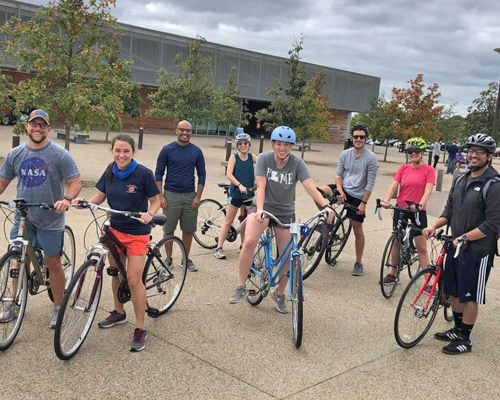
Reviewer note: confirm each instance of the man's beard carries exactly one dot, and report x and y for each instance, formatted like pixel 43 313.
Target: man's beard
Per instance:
pixel 37 141
pixel 479 167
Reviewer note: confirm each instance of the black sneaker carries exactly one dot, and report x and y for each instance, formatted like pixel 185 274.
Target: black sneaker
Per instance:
pixel 448 336
pixel 458 346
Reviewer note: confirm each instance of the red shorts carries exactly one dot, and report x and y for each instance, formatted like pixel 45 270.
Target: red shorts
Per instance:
pixel 136 245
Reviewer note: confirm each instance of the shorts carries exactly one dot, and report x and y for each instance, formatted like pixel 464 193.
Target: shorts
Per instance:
pixel 284 219
pixel 51 242
pixel 237 203
pixel 179 209
pixel 353 201
pixel 136 245
pixel 465 277
pixel 422 216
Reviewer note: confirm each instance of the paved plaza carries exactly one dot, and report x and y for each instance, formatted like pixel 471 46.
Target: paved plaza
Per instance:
pixel 205 348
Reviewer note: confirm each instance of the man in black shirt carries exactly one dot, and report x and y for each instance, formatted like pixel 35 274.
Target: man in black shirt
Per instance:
pixel 474 216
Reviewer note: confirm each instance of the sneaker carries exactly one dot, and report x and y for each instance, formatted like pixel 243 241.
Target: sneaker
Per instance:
pixel 219 253
pixel 115 318
pixel 190 266
pixel 280 300
pixel 240 293
pixel 358 269
pixel 389 280
pixel 138 342
pixel 458 346
pixel 53 321
pixel 11 312
pixel 448 336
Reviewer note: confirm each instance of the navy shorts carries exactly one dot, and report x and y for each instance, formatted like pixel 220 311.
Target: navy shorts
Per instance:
pixel 465 277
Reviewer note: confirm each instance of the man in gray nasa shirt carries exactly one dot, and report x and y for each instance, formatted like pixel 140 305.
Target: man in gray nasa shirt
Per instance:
pixel 355 179
pixel 42 167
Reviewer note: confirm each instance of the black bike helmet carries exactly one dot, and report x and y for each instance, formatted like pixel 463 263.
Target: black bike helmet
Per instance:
pixel 481 140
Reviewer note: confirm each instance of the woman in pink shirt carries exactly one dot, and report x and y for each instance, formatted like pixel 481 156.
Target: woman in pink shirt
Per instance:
pixel 415 181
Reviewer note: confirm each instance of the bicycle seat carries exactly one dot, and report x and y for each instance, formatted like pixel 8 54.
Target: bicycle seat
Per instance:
pixel 224 186
pixel 159 219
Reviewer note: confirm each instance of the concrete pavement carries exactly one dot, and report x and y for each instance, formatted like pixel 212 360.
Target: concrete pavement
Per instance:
pixel 205 348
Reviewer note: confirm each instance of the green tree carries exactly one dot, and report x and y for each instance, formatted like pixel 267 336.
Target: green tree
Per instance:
pixel 481 113
pixel 5 91
pixel 452 126
pixel 301 106
pixel 69 44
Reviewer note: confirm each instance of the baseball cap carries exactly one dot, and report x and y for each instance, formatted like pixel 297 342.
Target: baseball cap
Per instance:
pixel 39 114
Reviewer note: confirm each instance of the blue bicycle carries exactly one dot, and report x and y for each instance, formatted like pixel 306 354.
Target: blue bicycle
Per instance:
pixel 266 271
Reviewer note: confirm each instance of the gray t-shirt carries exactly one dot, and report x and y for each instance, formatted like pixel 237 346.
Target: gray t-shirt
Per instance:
pixel 280 186
pixel 358 173
pixel 41 175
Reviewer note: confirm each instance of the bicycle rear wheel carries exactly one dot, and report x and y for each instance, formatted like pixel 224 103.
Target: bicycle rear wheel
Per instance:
pixel 390 267
pixel 417 309
pixel 12 308
pixel 338 239
pixel 164 274
pixel 313 247
pixel 68 258
pixel 210 220
pixel 297 302
pixel 78 310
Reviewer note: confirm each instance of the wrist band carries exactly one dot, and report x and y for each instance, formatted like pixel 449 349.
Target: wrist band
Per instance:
pixel 151 215
pixel 364 202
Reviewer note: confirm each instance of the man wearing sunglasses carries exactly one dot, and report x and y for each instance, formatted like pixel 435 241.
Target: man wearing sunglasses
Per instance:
pixel 42 168
pixel 355 179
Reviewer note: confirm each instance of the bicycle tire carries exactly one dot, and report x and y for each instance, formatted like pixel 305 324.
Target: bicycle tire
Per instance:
pixel 257 284
pixel 207 234
pixel 164 278
pixel 68 259
pixel 386 267
pixel 297 302
pixel 448 312
pixel 403 336
pixel 8 335
pixel 338 239
pixel 413 264
pixel 75 304
pixel 313 247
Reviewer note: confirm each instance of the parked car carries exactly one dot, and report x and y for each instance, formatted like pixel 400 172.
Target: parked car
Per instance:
pixel 369 141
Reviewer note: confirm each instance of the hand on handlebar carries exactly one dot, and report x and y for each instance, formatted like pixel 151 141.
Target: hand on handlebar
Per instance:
pixel 62 205
pixel 145 217
pixel 330 214
pixel 429 232
pixel 258 215
pixel 385 204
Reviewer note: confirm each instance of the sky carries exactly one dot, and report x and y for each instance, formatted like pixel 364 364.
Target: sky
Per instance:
pixel 450 41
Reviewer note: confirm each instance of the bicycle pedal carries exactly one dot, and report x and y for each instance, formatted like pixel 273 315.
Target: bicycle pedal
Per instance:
pixel 252 292
pixel 14 273
pixel 112 271
pixel 153 312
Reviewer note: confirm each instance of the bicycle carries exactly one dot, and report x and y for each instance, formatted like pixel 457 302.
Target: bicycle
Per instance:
pixel 265 271
pixel 399 252
pixel 15 284
pixel 422 298
pixel 164 276
pixel 211 216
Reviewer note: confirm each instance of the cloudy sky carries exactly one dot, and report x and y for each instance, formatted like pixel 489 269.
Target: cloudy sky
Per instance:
pixel 450 41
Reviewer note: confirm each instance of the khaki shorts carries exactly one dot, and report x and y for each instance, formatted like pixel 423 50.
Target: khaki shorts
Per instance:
pixel 179 209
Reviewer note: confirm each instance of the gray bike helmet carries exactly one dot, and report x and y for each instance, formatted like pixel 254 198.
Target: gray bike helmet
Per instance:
pixel 481 140
pixel 241 137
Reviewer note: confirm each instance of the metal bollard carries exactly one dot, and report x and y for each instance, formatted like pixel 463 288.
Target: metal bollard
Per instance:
pixel 439 181
pixel 261 145
pixel 16 139
pixel 430 158
pixel 228 150
pixel 141 135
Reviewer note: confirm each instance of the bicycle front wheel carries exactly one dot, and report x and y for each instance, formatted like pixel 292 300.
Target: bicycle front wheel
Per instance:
pixel 390 267
pixel 448 312
pixel 313 247
pixel 12 307
pixel 338 239
pixel 68 258
pixel 258 278
pixel 417 309
pixel 164 274
pixel 297 302
pixel 78 310
pixel 211 216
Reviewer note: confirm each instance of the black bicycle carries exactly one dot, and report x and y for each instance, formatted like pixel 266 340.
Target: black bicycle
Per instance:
pixel 164 276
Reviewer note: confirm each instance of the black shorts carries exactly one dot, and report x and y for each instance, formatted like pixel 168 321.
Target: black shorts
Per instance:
pixel 237 203
pixel 465 277
pixel 422 216
pixel 353 201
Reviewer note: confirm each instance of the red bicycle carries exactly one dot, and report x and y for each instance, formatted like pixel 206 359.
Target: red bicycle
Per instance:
pixel 422 299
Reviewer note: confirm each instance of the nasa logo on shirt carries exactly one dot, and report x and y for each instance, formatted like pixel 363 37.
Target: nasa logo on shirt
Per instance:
pixel 131 189
pixel 33 172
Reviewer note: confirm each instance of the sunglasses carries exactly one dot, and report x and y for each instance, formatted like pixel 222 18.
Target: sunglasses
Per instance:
pixel 358 137
pixel 414 151
pixel 35 124
pixel 242 144
pixel 184 130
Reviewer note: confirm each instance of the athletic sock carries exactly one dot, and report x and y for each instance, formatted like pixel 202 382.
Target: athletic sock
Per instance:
pixel 465 330
pixel 458 320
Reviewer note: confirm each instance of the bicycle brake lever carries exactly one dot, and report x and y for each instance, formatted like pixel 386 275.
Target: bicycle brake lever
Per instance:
pixel 417 218
pixel 379 213
pixel 457 251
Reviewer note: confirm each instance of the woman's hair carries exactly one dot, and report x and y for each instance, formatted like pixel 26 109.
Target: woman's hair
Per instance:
pixel 120 138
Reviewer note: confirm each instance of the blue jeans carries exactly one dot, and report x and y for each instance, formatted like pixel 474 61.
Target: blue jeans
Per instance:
pixel 451 165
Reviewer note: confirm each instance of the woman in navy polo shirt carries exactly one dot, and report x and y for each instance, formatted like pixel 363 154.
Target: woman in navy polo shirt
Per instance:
pixel 129 186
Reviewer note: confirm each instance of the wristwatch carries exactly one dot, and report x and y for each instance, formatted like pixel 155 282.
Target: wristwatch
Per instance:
pixel 465 238
pixel 69 198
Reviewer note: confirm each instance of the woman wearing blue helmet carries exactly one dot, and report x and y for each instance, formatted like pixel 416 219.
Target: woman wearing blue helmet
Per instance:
pixel 276 175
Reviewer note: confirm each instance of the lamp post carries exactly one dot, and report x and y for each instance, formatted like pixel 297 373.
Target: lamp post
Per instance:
pixel 497 109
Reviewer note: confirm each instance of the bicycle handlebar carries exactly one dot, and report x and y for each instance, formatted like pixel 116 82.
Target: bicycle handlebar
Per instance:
pixel 332 198
pixel 378 209
pixel 20 204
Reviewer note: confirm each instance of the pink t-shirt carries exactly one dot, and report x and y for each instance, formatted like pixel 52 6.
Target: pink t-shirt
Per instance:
pixel 412 182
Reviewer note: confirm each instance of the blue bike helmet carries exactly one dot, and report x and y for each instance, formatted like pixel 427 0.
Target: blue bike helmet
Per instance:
pixel 283 134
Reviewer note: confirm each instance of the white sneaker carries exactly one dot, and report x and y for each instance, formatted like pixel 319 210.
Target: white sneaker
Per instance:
pixel 11 312
pixel 219 253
